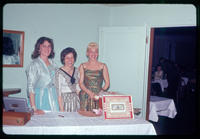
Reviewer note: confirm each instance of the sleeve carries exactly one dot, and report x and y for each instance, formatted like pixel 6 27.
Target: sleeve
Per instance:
pixel 58 82
pixel 54 64
pixel 32 76
pixel 77 85
pixel 161 74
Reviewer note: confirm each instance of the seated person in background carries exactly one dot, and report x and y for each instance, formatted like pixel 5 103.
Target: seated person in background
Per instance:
pixel 67 82
pixel 159 73
pixel 173 77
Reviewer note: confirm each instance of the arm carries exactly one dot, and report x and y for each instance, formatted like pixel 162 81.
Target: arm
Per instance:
pixel 78 89
pixel 31 73
pixel 161 74
pixel 106 77
pixel 60 102
pixel 32 102
pixel 58 82
pixel 81 84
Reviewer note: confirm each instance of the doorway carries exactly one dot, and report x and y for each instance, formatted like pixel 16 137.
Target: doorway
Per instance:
pixel 177 44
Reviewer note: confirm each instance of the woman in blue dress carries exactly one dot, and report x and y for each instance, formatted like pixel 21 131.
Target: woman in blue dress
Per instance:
pixel 41 77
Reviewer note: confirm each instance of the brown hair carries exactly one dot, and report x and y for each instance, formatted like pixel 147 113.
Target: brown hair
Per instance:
pixel 40 41
pixel 67 51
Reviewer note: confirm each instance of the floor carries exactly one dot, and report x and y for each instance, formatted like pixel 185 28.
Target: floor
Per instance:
pixel 185 122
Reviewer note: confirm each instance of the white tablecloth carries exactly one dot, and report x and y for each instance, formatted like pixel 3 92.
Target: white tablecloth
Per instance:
pixel 75 124
pixel 161 106
pixel 184 81
pixel 163 83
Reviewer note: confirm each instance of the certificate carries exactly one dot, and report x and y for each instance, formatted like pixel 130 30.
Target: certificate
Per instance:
pixel 117 107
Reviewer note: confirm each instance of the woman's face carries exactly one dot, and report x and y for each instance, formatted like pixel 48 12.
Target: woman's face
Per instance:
pixel 92 53
pixel 45 49
pixel 69 60
pixel 159 68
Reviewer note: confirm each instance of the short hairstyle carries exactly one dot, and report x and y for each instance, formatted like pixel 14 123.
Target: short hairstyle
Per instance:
pixel 67 51
pixel 92 45
pixel 158 65
pixel 40 41
pixel 8 48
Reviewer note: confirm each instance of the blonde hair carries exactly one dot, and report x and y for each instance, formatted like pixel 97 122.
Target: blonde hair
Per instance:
pixel 92 45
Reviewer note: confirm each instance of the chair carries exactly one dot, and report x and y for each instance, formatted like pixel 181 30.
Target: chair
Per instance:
pixel 156 89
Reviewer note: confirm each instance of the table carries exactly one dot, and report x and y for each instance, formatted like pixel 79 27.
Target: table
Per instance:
pixel 163 83
pixel 10 91
pixel 184 81
pixel 72 123
pixel 161 106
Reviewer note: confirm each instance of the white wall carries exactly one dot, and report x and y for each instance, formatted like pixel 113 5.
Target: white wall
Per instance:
pixel 124 54
pixel 68 25
pixel 76 25
pixel 154 15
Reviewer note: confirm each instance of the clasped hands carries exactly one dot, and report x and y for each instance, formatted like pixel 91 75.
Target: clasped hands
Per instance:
pixel 93 96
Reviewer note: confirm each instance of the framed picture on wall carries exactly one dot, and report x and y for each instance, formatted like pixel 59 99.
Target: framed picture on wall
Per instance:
pixel 13 48
pixel 117 107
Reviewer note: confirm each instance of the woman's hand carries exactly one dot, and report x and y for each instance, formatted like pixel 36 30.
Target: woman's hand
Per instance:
pixel 38 112
pixel 91 95
pixel 94 96
pixel 61 110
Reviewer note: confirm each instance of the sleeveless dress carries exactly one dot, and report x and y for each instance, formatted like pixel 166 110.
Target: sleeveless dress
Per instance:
pixel 93 80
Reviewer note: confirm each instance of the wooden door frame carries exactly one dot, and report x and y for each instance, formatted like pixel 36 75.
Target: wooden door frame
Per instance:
pixel 149 72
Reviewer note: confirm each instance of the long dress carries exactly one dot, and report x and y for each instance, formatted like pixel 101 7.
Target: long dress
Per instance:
pixel 41 82
pixel 93 80
pixel 67 88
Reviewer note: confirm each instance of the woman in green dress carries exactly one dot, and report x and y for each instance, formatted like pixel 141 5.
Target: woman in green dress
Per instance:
pixel 92 75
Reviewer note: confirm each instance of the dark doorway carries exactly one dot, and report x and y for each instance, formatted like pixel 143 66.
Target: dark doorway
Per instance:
pixel 178 45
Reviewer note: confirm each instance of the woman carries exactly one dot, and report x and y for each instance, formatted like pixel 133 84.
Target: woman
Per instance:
pixel 92 74
pixel 41 76
pixel 67 82
pixel 159 73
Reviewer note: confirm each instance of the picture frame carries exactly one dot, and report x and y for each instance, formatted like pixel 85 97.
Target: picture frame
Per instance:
pixel 118 107
pixel 13 48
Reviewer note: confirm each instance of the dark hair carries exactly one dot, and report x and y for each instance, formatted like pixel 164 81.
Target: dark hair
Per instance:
pixel 162 60
pixel 67 51
pixel 158 65
pixel 8 48
pixel 40 41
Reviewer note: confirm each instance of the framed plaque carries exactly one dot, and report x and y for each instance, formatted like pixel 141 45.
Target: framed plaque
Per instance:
pixel 117 107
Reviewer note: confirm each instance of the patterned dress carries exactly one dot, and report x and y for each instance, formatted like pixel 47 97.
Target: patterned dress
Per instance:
pixel 93 80
pixel 67 88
